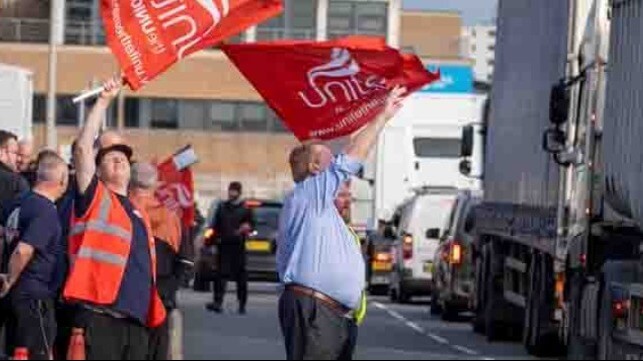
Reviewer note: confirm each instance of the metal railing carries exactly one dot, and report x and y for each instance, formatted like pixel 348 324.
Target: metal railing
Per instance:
pixel 24 30
pixel 269 34
pixel 27 30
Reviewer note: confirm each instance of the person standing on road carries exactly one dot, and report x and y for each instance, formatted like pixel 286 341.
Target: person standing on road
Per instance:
pixel 231 224
pixel 111 247
pixel 171 265
pixel 33 232
pixel 319 261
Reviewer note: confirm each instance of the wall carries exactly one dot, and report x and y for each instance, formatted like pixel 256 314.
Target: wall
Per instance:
pixel 432 34
pixel 257 160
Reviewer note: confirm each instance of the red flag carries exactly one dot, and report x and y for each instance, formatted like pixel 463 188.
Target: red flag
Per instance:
pixel 330 89
pixel 148 36
pixel 176 188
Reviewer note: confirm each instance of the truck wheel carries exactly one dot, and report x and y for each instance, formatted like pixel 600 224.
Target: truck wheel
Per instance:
pixel 491 297
pixel 537 340
pixel 478 306
pixel 577 349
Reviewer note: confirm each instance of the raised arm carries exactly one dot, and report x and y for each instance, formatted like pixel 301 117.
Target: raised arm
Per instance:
pixel 363 142
pixel 84 155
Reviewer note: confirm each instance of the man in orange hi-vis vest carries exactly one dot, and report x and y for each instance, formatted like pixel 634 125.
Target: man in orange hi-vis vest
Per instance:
pixel 111 250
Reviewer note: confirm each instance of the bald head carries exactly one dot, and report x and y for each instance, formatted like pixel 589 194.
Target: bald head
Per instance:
pixel 144 176
pixel 309 158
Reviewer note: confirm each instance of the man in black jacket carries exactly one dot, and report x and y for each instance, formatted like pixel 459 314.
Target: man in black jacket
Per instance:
pixel 231 224
pixel 11 185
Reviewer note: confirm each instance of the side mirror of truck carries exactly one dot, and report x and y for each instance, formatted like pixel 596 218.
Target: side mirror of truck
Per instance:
pixel 467 141
pixel 554 141
pixel 559 101
pixel 465 167
pixel 433 233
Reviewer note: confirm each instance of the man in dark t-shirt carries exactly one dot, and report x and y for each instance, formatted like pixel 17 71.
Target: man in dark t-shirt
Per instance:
pixel 32 233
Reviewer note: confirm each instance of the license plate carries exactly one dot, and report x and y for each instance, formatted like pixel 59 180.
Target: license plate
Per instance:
pixel 428 267
pixel 382 266
pixel 380 280
pixel 258 246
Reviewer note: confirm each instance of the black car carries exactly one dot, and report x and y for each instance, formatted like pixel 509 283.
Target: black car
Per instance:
pixel 261 246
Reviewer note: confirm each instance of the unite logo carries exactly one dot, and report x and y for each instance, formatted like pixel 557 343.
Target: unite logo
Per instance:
pixel 348 85
pixel 175 196
pixel 189 24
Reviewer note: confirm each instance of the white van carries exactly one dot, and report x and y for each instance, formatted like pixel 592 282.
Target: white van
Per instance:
pixel 418 222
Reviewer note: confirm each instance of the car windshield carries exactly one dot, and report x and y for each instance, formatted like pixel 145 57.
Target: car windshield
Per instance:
pixel 267 216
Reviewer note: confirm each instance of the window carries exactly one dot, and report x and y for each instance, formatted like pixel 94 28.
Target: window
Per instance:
pixel 221 117
pixel 253 117
pixel 491 62
pixel 132 112
pixel 67 113
pixel 492 33
pixel 350 18
pixel 437 147
pixel 298 21
pixel 492 48
pixel 165 114
pixel 39 112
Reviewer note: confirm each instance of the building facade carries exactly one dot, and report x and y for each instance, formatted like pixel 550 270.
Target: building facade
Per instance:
pixel 204 100
pixel 479 45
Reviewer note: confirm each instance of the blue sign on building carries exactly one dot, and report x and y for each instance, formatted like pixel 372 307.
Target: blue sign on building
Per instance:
pixel 454 79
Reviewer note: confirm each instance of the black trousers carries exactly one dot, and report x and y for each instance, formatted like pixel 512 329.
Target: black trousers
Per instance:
pixel 232 266
pixel 313 331
pixel 109 338
pixel 32 325
pixel 160 341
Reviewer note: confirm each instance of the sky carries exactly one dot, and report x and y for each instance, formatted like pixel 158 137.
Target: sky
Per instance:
pixel 473 11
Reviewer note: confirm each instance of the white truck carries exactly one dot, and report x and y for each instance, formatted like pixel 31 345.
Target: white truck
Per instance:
pixel 419 148
pixel 16 100
pixel 559 235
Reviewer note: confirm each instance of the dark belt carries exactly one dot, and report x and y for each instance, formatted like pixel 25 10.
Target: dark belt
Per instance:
pixel 326 300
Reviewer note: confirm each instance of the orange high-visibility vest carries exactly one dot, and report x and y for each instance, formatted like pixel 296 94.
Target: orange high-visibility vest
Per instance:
pixel 100 243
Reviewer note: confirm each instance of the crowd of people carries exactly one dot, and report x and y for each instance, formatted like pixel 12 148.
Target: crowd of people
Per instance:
pixel 91 261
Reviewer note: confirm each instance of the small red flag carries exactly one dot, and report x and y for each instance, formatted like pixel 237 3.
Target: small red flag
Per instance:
pixel 149 36
pixel 326 90
pixel 176 185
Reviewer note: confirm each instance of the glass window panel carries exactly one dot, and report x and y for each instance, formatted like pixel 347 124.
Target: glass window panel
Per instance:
pixel 39 112
pixel 437 147
pixel 253 117
pixel 132 112
pixel 164 114
pixel 222 116
pixel 193 114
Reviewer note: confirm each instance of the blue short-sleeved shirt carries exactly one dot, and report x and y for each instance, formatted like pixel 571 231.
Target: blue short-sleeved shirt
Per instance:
pixel 33 220
pixel 315 247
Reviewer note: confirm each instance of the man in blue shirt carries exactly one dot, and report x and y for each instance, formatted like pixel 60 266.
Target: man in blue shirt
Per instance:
pixel 319 261
pixel 32 232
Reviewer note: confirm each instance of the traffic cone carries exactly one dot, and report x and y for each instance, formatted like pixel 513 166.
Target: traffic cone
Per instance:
pixel 21 353
pixel 76 346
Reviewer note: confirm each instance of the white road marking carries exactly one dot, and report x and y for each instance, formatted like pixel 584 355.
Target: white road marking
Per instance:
pixel 414 326
pixel 465 350
pixel 438 339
